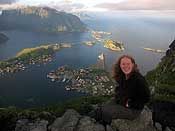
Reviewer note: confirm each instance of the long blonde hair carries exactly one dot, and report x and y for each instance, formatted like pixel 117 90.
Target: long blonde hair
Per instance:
pixel 117 73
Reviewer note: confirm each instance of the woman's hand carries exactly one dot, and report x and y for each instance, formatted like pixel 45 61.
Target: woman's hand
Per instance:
pixel 127 103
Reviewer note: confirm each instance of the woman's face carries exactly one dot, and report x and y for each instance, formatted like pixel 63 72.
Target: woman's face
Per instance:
pixel 126 65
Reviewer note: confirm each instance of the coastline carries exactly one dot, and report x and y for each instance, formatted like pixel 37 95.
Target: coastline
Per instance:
pixel 154 50
pixel 105 38
pixel 89 80
pixel 40 54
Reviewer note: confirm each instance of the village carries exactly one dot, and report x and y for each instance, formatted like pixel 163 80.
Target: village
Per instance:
pixel 88 80
pixel 20 65
pixel 31 56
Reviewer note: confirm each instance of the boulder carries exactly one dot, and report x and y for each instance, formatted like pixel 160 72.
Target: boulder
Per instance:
pixel 67 122
pixel 88 124
pixel 72 121
pixel 26 125
pixel 142 123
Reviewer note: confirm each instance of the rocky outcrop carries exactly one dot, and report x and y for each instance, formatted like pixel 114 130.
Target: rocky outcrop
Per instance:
pixel 73 121
pixel 142 123
pixel 26 125
pixel 3 38
pixel 42 19
pixel 162 77
pixel 171 49
pixel 70 121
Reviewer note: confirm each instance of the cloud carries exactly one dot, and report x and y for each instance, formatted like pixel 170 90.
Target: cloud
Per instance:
pixel 7 1
pixel 140 5
pixel 67 6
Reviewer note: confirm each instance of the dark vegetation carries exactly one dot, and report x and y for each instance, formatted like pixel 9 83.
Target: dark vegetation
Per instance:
pixel 162 78
pixel 83 105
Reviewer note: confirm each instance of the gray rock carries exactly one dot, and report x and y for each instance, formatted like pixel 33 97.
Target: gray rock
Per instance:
pixel 142 123
pixel 109 128
pixel 159 127
pixel 89 124
pixel 72 121
pixel 26 125
pixel 67 122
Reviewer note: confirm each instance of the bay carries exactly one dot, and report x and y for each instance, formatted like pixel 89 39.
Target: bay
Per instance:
pixel 32 88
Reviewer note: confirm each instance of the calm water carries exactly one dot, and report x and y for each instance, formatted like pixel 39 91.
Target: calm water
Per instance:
pixel 32 88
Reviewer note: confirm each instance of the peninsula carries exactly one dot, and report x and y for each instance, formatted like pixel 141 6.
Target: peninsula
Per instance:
pixel 41 54
pixel 154 50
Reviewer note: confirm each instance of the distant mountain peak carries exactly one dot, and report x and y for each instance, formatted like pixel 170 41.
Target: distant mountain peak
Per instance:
pixel 40 11
pixel 43 19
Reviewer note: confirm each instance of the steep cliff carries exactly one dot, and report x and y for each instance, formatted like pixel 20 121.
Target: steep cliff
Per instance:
pixel 42 19
pixel 163 76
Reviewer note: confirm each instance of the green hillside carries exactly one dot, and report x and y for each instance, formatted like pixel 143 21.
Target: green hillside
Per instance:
pixel 163 76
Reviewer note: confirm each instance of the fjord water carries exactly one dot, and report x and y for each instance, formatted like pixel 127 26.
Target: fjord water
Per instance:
pixel 32 88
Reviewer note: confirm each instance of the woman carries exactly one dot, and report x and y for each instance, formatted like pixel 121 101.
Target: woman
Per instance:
pixel 131 93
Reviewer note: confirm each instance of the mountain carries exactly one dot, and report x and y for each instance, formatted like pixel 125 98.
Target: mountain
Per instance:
pixel 3 38
pixel 83 16
pixel 42 19
pixel 163 76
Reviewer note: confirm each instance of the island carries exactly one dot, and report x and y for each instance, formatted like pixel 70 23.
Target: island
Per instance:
pixel 89 43
pixel 154 50
pixel 104 38
pixel 41 54
pixel 90 80
pixel 113 45
pixel 97 35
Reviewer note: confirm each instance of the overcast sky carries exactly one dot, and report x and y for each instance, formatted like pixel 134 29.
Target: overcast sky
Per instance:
pixel 100 4
pixel 140 5
pixel 7 1
pixel 39 2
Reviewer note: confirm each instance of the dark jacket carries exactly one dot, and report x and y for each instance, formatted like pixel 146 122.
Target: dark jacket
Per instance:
pixel 134 90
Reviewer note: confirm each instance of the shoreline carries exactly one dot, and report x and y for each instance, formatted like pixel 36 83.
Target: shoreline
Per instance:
pixel 89 80
pixel 104 38
pixel 154 50
pixel 28 56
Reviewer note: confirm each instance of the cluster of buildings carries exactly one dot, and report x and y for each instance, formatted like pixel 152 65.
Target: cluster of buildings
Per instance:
pixel 19 65
pixel 88 80
pixel 12 68
pixel 40 59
